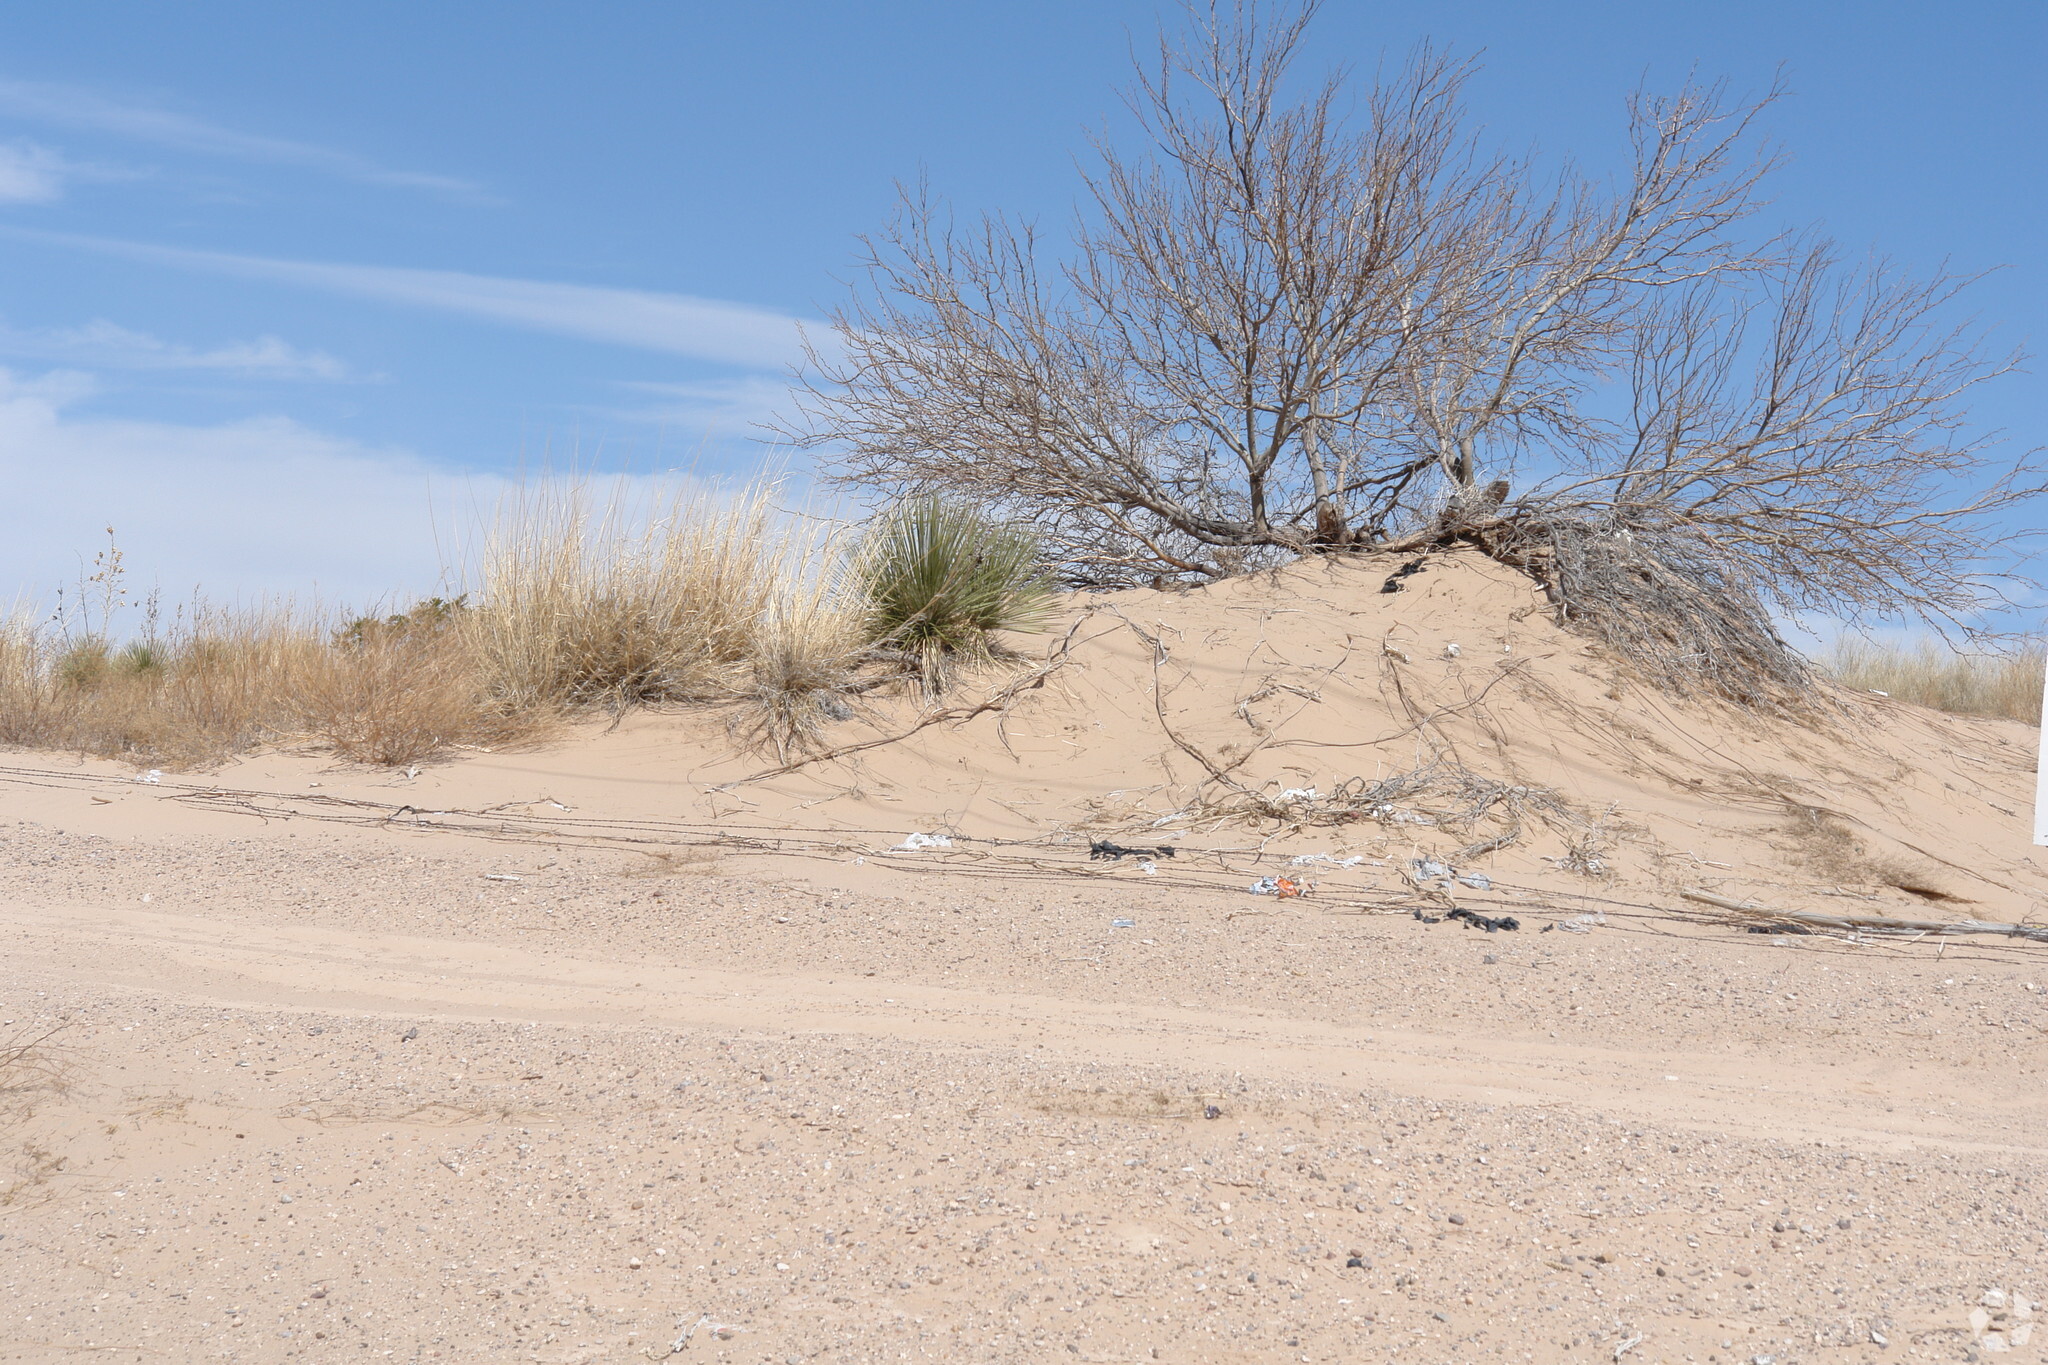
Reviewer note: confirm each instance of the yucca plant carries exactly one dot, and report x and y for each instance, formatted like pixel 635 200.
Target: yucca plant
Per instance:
pixel 939 579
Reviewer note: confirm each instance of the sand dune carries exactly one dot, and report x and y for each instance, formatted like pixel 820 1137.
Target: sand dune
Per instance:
pixel 572 1054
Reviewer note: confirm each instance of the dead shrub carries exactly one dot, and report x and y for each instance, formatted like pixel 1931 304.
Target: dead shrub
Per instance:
pixel 391 698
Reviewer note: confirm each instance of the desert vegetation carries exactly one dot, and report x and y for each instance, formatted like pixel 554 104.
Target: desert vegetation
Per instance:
pixel 1306 318
pixel 1929 673
pixel 575 603
pixel 1300 319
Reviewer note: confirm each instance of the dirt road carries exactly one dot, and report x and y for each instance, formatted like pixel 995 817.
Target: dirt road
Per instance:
pixel 356 1097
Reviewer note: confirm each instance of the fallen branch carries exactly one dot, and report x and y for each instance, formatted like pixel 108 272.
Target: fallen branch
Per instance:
pixel 997 701
pixel 1871 923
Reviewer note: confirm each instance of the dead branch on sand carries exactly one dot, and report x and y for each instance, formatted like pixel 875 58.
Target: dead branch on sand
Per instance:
pixel 1878 924
pixel 1000 700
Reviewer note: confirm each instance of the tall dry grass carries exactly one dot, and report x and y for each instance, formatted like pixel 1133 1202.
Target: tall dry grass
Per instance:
pixel 1931 674
pixel 576 600
pixel 222 683
pixel 615 600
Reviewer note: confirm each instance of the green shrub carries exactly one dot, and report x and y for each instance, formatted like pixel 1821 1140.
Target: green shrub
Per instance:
pixel 85 664
pixel 940 579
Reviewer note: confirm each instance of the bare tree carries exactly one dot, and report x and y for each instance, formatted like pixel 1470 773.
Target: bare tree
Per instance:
pixel 1207 376
pixel 1795 447
pixel 1284 329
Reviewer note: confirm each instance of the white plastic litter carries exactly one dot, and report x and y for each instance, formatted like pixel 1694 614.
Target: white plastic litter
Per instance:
pixel 1333 860
pixel 1430 870
pixel 1299 794
pixel 917 841
pixel 1150 869
pixel 153 776
pixel 501 877
pixel 1478 881
pixel 1451 650
pixel 1582 924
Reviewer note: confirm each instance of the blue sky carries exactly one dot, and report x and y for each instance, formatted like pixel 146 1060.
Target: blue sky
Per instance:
pixel 284 282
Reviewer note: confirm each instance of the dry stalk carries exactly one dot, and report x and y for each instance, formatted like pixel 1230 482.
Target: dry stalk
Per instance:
pixel 1751 912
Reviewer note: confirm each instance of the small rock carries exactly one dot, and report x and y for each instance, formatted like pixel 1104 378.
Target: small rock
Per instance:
pixel 409 1035
pixel 1358 1263
pixel 1993 1298
pixel 284 1199
pixel 1740 1272
pixel 1210 1111
pixel 1842 1223
pixel 1457 1220
pixel 1489 959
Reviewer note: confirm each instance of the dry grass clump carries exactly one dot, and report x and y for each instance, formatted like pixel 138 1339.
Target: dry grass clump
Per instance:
pixel 400 693
pixel 221 683
pixel 621 603
pixel 1930 674
pixel 805 661
pixel 576 603
pixel 686 596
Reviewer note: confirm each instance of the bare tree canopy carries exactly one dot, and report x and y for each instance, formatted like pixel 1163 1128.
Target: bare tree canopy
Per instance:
pixel 1303 321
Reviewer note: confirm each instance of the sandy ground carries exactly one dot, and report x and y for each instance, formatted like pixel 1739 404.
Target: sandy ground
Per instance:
pixel 342 1095
pixel 627 1049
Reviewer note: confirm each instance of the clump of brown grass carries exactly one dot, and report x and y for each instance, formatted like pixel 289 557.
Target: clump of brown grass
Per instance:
pixel 218 683
pixel 685 596
pixel 619 602
pixel 1829 847
pixel 394 696
pixel 211 687
pixel 579 602
pixel 1930 674
pixel 807 655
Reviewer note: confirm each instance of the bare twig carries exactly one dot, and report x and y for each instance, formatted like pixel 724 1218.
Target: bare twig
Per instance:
pixel 1870 923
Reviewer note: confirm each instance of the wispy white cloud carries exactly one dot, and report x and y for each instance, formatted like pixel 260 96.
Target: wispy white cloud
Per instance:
pixel 709 408
pixel 75 107
pixel 678 324
pixel 107 345
pixel 34 174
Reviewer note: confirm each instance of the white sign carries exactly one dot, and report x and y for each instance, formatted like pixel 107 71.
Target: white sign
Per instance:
pixel 2041 792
